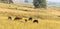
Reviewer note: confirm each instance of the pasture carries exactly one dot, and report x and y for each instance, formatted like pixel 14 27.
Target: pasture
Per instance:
pixel 47 18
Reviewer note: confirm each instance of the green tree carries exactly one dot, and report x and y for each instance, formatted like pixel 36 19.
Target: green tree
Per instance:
pixel 10 1
pixel 39 3
pixel 7 1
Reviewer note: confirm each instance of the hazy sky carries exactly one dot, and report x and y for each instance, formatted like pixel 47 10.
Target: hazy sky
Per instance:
pixel 31 0
pixel 53 0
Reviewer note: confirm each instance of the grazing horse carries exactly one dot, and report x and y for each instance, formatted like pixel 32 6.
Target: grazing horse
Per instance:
pixel 30 19
pixel 25 20
pixel 35 21
pixel 9 17
pixel 17 18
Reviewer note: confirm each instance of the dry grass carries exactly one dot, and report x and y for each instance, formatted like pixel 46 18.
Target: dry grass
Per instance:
pixel 48 19
pixel 43 24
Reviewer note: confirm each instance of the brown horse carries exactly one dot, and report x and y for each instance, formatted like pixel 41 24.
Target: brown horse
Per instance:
pixel 30 19
pixel 9 17
pixel 35 21
pixel 17 18
pixel 25 20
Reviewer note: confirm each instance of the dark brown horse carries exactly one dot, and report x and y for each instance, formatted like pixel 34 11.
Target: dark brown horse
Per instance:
pixel 9 17
pixel 25 20
pixel 17 18
pixel 35 21
pixel 30 19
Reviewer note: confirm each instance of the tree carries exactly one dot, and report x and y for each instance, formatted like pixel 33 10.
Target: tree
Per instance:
pixel 39 3
pixel 7 1
pixel 10 1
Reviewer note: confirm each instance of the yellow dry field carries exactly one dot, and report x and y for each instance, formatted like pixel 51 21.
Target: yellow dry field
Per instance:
pixel 49 17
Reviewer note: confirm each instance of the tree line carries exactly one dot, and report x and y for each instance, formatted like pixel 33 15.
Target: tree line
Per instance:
pixel 36 3
pixel 6 1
